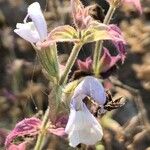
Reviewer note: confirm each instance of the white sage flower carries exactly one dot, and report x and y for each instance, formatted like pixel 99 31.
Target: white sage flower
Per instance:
pixel 82 126
pixel 36 30
pixel 91 87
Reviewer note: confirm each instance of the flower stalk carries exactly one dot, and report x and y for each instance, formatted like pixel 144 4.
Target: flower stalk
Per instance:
pixel 49 61
pixel 99 44
pixel 70 62
pixel 41 135
pixel 50 115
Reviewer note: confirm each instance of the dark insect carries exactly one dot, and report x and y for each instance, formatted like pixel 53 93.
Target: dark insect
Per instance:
pixel 110 104
pixel 113 104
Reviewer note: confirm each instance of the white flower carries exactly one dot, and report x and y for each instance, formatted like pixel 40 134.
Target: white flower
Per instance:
pixel 82 127
pixel 91 87
pixel 37 29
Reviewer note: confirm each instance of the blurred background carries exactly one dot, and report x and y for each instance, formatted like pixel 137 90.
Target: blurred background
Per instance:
pixel 24 89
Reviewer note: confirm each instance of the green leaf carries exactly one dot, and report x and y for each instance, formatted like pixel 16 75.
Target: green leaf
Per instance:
pixel 49 61
pixel 95 32
pixel 64 33
pixel 70 87
pixel 68 91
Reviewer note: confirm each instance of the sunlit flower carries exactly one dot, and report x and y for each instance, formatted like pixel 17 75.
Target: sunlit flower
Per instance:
pixel 91 87
pixel 82 126
pixel 37 29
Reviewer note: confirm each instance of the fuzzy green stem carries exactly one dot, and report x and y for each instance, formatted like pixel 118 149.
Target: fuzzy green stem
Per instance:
pixel 50 114
pixel 70 62
pixel 41 135
pixel 99 44
pixel 109 15
pixel 49 61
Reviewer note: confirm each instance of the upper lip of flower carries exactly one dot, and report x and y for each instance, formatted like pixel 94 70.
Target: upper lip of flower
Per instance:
pixel 90 86
pixel 36 30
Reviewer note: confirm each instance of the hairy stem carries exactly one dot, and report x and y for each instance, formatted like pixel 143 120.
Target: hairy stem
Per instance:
pixel 50 114
pixel 109 15
pixel 99 44
pixel 70 62
pixel 41 135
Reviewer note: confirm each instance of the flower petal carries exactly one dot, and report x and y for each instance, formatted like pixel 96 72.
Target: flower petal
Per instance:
pixel 35 13
pixel 85 65
pixel 70 120
pixel 118 40
pixel 108 60
pixel 83 128
pixel 92 87
pixel 27 31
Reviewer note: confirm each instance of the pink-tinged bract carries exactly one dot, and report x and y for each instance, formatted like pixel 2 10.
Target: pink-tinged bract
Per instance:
pixel 85 65
pixel 21 146
pixel 118 40
pixel 121 50
pixel 28 126
pixel 60 124
pixel 58 131
pixel 109 61
pixel 80 14
pixel 115 33
pixel 61 121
